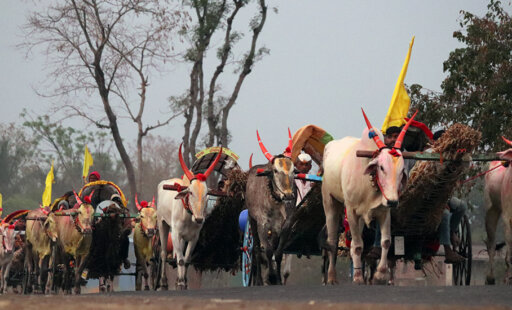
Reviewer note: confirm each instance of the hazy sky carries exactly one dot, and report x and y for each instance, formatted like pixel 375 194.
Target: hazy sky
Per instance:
pixel 327 60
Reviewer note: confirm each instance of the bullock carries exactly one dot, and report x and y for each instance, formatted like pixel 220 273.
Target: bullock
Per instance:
pixel 8 235
pixel 143 233
pixel 270 199
pixel 183 212
pixel 72 234
pixel 498 202
pixel 348 182
pixel 37 249
pixel 110 244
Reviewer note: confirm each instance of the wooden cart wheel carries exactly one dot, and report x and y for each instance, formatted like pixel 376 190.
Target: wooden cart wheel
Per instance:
pixel 462 271
pixel 247 256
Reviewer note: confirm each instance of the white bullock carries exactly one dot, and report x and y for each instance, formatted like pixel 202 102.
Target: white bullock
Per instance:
pixel 348 182
pixel 498 202
pixel 183 212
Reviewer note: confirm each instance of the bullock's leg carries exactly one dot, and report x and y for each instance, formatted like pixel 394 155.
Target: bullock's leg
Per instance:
pixel 138 270
pixel 287 267
pixel 508 241
pixel 179 247
pixel 491 220
pixel 163 229
pixel 79 268
pixel 279 258
pixel 356 247
pixel 45 278
pixel 333 210
pixel 146 275
pixel 188 257
pixel 385 242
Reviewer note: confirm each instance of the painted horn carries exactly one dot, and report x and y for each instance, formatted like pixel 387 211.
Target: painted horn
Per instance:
pixel 250 161
pixel 506 140
pixel 288 150
pixel 137 203
pixel 77 198
pixel 263 148
pixel 87 199
pixel 212 166
pixel 400 139
pixel 187 172
pixel 375 136
pixel 153 203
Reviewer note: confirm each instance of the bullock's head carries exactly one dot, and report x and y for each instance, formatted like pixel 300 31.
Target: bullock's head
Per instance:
pixel 194 196
pixel 387 167
pixel 280 170
pixel 147 217
pixel 84 215
pixel 8 237
pixel 50 227
pixel 506 155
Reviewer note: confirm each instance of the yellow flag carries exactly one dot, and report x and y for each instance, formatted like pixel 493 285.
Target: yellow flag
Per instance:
pixel 88 162
pixel 399 106
pixel 1 206
pixel 47 195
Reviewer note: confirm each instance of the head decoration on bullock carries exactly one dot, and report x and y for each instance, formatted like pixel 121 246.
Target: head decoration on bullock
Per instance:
pixel 87 199
pixel 144 204
pixel 398 144
pixel 287 152
pixel 199 176
pixel 281 173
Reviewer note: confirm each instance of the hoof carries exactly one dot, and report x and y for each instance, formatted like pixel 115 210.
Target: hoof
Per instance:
pixel 163 288
pixel 490 281
pixel 331 281
pixel 181 287
pixel 146 288
pixel 358 280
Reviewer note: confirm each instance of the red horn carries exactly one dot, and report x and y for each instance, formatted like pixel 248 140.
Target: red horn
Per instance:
pixel 212 166
pixel 77 198
pixel 189 174
pixel 153 203
pixel 506 140
pixel 288 150
pixel 137 203
pixel 263 148
pixel 250 161
pixel 372 132
pixel 87 199
pixel 398 143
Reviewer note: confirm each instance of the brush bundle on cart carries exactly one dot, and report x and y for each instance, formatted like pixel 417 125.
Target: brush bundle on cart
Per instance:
pixel 218 247
pixel 431 183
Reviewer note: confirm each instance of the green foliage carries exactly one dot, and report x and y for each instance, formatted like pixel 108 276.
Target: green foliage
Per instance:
pixel 477 90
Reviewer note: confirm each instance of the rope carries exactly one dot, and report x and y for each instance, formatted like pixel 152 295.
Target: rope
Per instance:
pixel 481 174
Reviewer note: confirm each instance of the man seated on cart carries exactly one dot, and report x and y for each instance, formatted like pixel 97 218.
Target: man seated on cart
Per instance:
pixel 303 165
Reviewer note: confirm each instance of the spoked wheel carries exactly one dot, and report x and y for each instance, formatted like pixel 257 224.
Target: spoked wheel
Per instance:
pixel 247 256
pixel 462 271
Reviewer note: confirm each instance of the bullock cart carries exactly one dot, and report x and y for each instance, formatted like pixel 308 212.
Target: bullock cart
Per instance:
pixel 414 222
pixel 432 181
pixel 218 246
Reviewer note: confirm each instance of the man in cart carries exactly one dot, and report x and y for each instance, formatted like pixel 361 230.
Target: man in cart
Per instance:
pixel 303 165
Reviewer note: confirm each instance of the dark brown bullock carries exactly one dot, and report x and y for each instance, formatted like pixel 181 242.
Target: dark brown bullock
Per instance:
pixel 270 199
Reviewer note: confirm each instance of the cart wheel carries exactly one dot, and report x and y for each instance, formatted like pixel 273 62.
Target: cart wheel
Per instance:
pixel 462 271
pixel 247 256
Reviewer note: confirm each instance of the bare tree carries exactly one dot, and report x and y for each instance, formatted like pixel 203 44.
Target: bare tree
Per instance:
pixel 215 16
pixel 108 47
